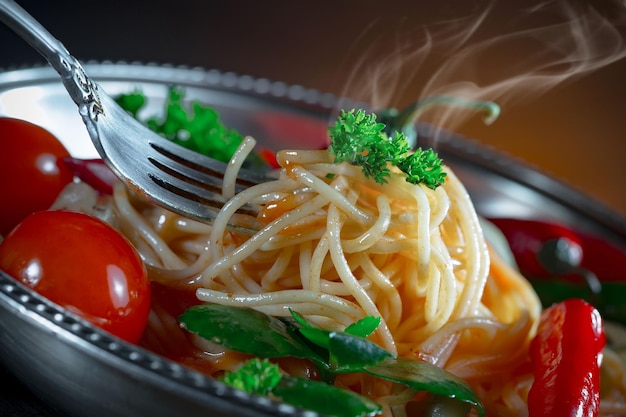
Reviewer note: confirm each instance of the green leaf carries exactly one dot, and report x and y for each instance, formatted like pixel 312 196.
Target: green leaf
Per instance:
pixel 246 330
pixel 352 353
pixel 320 337
pixel 299 318
pixel 364 327
pixel 323 398
pixel 249 331
pixel 314 334
pixel 256 376
pixel 423 376
pixel 348 351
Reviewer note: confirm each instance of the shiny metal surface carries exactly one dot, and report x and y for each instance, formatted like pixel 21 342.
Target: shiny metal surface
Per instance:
pixel 138 156
pixel 85 372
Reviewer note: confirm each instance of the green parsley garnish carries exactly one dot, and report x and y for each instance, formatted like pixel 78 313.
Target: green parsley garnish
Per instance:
pixel 357 138
pixel 192 125
pixel 256 376
pixel 132 102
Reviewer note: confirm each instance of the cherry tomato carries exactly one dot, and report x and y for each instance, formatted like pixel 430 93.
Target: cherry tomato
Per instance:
pixel 83 264
pixel 31 169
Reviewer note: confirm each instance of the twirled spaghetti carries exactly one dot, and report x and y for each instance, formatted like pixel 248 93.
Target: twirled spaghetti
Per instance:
pixel 336 246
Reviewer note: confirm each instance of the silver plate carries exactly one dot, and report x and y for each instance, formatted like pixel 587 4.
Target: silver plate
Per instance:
pixel 85 372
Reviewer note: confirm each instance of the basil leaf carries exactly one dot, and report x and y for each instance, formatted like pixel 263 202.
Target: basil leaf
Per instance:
pixel 323 398
pixel 423 376
pixel 246 330
pixel 320 337
pixel 364 327
pixel 313 333
pixel 299 318
pixel 347 353
pixel 352 353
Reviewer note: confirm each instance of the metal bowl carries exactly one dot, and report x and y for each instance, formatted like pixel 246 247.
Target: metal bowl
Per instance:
pixel 82 371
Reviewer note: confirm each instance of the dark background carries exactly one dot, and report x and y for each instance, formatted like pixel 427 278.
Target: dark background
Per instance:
pixel 367 49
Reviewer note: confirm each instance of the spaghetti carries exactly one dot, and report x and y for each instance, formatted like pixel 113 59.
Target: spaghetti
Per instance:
pixel 335 246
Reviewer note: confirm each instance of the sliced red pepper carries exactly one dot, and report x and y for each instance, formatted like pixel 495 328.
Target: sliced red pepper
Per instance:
pixel 566 355
pixel 94 172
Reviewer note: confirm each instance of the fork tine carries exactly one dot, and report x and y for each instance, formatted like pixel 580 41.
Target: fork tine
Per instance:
pixel 205 166
pixel 195 177
pixel 169 175
pixel 203 201
pixel 178 196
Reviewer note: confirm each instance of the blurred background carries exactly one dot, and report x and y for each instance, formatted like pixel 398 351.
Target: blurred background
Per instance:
pixel 556 71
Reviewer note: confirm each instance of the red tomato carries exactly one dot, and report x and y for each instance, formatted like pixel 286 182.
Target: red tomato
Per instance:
pixel 83 264
pixel 31 169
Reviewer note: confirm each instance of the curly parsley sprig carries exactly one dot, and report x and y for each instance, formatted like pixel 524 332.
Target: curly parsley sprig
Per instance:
pixel 357 138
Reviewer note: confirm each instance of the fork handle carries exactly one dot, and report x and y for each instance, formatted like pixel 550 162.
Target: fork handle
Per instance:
pixel 81 89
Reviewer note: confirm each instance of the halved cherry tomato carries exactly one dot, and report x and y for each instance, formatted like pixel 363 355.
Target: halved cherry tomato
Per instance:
pixel 31 169
pixel 83 264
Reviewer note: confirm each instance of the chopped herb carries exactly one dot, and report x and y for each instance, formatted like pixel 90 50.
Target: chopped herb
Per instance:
pixel 132 102
pixel 357 138
pixel 256 376
pixel 192 125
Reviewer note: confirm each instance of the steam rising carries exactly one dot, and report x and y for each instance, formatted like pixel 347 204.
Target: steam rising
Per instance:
pixel 533 50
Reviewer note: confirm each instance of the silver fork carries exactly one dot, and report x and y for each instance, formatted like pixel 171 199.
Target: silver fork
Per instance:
pixel 160 171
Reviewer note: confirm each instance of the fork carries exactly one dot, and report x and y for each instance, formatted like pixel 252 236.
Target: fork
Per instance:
pixel 157 169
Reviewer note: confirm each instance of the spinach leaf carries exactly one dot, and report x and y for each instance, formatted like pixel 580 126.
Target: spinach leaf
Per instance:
pixel 423 376
pixel 351 353
pixel 348 351
pixel 248 331
pixel 334 352
pixel 323 398
pixel 364 327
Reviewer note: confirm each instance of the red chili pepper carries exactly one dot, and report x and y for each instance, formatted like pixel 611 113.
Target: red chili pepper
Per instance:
pixel 525 237
pixel 94 172
pixel 566 355
pixel 268 156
